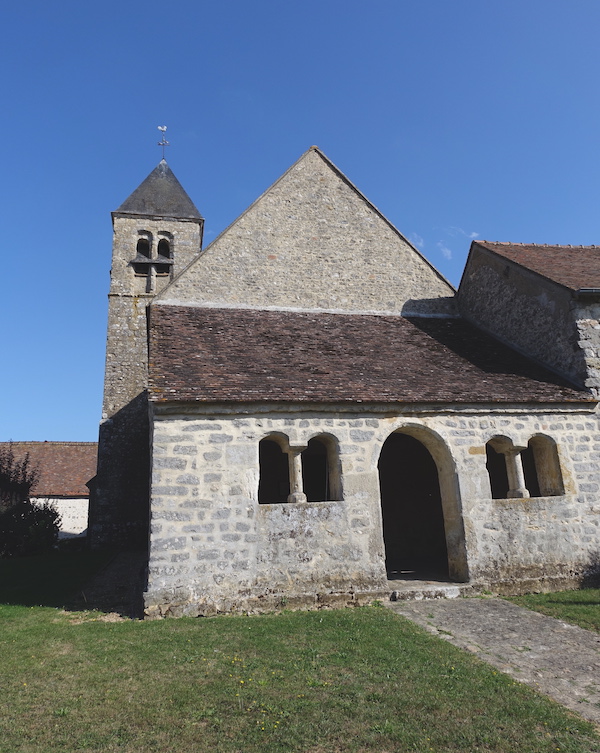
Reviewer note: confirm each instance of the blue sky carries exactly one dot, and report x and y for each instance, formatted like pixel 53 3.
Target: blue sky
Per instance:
pixel 458 119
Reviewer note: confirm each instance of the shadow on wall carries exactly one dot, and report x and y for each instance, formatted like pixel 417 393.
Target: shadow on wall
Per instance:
pixel 77 581
pixel 120 491
pixel 439 306
pixel 117 588
pixel 591 574
pixel 482 350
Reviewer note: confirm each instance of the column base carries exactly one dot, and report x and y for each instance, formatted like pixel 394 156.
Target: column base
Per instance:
pixel 518 494
pixel 296 497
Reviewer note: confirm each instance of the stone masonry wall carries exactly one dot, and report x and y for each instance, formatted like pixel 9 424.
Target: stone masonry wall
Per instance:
pixel 119 500
pixel 214 548
pixel 313 242
pixel 73 514
pixel 524 310
pixel 126 371
pixel 588 329
pixel 119 507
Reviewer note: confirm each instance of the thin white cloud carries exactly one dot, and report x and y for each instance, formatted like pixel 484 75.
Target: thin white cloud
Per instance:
pixel 446 252
pixel 456 231
pixel 416 240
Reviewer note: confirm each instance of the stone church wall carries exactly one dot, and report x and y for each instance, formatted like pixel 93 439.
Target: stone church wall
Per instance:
pixel 523 309
pixel 213 547
pixel 119 498
pixel 126 347
pixel 312 241
pixel 588 329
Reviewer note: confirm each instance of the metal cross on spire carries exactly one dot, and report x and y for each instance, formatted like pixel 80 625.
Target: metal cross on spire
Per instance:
pixel 163 142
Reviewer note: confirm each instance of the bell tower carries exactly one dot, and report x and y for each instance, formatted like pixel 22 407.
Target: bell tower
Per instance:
pixel 157 232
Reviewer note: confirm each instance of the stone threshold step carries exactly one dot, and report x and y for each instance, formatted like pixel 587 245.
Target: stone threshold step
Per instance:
pixel 414 590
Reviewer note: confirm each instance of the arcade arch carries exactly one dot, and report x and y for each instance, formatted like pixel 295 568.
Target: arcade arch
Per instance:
pixel 422 521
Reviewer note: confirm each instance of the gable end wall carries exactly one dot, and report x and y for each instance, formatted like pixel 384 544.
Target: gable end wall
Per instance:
pixel 312 242
pixel 524 310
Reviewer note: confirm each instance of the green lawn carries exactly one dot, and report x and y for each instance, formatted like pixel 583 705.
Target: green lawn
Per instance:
pixel 317 682
pixel 579 607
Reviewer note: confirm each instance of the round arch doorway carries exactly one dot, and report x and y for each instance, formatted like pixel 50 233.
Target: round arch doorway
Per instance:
pixel 413 517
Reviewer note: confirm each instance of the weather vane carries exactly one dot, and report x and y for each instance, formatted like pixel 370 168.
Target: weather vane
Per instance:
pixel 163 142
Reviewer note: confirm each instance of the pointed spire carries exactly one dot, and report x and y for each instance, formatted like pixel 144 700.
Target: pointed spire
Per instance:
pixel 160 195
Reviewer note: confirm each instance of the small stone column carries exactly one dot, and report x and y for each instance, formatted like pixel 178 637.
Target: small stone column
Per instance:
pixel 295 461
pixel 151 280
pixel 516 477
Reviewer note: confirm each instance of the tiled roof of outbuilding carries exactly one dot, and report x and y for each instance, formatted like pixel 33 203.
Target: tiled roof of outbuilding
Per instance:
pixel 64 467
pixel 206 354
pixel 573 267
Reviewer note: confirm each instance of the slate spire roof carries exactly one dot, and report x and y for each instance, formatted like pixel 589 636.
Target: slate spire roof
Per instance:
pixel 160 195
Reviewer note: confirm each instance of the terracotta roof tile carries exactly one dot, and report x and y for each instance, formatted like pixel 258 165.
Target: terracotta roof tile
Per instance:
pixel 64 466
pixel 573 267
pixel 205 354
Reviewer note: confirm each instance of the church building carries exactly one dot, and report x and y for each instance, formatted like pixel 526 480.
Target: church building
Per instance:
pixel 305 412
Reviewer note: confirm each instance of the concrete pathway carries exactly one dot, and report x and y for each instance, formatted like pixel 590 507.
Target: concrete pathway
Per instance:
pixel 560 660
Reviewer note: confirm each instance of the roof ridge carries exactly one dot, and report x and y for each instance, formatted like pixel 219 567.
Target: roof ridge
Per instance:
pixel 536 245
pixel 45 442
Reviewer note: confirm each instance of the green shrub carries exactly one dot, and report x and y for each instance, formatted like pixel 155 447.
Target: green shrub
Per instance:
pixel 28 528
pixel 17 477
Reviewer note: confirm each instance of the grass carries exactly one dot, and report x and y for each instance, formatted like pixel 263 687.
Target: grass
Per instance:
pixel 350 680
pixel 577 607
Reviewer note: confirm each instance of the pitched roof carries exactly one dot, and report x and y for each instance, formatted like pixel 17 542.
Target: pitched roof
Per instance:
pixel 160 195
pixel 573 267
pixel 64 467
pixel 206 354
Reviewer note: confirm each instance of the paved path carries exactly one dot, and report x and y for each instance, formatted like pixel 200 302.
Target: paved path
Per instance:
pixel 557 659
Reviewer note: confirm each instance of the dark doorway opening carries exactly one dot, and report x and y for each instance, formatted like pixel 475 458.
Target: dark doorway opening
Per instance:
pixel 274 480
pixel 413 519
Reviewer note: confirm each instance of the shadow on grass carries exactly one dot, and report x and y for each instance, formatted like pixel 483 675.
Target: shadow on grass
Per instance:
pixel 98 580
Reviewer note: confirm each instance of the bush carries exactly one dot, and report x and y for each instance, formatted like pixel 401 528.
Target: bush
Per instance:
pixel 28 528
pixel 17 477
